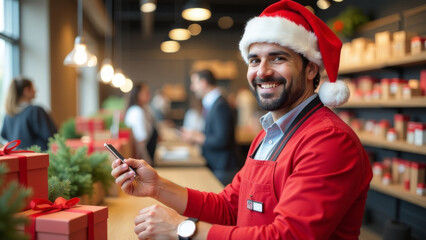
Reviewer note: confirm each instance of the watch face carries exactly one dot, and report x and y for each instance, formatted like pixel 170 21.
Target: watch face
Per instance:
pixel 186 228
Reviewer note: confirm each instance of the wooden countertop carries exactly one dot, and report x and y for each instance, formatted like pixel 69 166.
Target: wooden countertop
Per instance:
pixel 123 209
pixel 178 154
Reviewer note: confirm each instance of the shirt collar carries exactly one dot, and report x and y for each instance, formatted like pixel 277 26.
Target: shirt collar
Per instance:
pixel 285 121
pixel 210 98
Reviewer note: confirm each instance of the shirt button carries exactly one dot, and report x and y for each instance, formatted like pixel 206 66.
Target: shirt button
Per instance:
pixel 270 141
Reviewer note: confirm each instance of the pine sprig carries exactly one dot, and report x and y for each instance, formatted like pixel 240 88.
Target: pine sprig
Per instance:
pixel 12 200
pixel 59 188
pixel 70 165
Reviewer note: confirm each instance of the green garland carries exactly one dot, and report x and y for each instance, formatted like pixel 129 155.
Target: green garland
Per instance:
pixel 12 200
pixel 347 22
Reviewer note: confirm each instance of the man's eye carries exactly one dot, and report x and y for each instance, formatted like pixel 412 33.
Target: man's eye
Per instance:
pixel 253 60
pixel 279 58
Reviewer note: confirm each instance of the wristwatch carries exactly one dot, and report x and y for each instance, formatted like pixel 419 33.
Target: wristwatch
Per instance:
pixel 187 228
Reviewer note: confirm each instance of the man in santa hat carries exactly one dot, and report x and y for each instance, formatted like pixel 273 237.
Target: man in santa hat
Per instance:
pixel 306 175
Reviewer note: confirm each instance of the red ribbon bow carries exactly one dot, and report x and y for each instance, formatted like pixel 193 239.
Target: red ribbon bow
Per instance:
pixel 60 204
pixel 6 149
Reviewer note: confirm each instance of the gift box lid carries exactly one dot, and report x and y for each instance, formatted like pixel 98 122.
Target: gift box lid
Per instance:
pixel 66 222
pixel 34 160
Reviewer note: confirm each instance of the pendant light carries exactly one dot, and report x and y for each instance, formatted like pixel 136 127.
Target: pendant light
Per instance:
pixel 80 56
pixel 107 70
pixel 179 32
pixel 170 46
pixel 196 10
pixel 148 6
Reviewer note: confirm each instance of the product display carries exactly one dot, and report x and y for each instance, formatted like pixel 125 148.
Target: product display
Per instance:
pixel 66 220
pixel 27 168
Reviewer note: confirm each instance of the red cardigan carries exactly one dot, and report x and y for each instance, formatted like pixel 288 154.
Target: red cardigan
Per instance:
pixel 316 189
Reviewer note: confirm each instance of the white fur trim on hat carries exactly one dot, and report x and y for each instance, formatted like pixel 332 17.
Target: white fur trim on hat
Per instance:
pixel 334 94
pixel 283 32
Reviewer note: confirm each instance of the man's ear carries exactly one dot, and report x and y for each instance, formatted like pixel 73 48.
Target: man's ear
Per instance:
pixel 311 70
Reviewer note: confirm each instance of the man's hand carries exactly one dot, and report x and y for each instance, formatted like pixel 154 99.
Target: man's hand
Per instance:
pixel 157 222
pixel 191 136
pixel 145 184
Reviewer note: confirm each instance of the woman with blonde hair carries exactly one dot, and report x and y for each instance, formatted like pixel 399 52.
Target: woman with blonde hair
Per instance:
pixel 24 121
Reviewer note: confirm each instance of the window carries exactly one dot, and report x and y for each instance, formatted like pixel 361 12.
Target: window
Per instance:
pixel 9 47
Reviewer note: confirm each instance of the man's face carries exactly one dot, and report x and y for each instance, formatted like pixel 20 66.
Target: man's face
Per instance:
pixel 276 76
pixel 197 86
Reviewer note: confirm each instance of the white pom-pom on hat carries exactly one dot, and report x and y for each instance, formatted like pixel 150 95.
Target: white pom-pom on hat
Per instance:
pixel 334 94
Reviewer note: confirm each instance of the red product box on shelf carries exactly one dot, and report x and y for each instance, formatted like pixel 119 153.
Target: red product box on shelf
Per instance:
pixel 78 222
pixel 27 168
pixel 89 124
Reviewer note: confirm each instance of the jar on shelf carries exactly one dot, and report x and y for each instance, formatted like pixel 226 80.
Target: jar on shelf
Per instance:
pixel 421 189
pixel 417 175
pixel 370 125
pixel 417 45
pixel 381 128
pixel 410 132
pixel 386 179
pixel 397 87
pixel 378 170
pixel 391 135
pixel 397 170
pixel 385 88
pixel 420 134
pixel 356 124
pixel 407 175
pixel 377 92
pixel 400 125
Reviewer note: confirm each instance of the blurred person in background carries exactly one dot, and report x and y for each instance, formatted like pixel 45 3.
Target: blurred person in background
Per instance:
pixel 193 119
pixel 140 119
pixel 218 138
pixel 29 123
pixel 160 105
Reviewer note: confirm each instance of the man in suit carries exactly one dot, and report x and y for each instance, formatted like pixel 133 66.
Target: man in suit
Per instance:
pixel 218 138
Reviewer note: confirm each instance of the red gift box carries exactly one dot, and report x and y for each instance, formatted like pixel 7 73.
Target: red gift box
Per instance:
pixel 61 222
pixel 88 124
pixel 27 168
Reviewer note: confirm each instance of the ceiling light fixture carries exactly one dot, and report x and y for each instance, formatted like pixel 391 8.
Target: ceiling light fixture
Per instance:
pixel 148 6
pixel 107 70
pixel 323 4
pixel 170 46
pixel 80 56
pixel 118 79
pixel 196 10
pixel 179 33
pixel 225 22
pixel 194 29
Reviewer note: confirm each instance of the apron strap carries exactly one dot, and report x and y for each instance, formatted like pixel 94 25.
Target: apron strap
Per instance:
pixel 310 109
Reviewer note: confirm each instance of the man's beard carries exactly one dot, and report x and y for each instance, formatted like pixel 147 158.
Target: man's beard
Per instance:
pixel 269 104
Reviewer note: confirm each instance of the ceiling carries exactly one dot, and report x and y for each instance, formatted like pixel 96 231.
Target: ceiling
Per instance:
pixel 127 16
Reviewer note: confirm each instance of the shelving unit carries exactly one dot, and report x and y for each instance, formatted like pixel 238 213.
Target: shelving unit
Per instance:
pixel 404 206
pixel 368 139
pixel 400 62
pixel 398 191
pixel 415 102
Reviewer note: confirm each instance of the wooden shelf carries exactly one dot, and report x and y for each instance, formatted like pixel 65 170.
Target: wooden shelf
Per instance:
pixel 399 62
pixel 398 191
pixel 415 102
pixel 368 139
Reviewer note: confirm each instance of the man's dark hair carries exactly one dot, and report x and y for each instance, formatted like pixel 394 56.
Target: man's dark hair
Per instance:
pixel 207 75
pixel 317 77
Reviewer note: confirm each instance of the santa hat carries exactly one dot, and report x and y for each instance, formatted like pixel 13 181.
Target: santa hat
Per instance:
pixel 291 25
